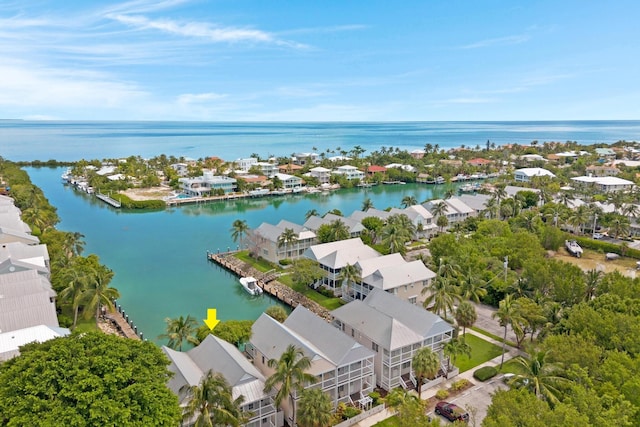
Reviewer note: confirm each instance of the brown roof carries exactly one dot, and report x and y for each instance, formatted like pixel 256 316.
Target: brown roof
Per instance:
pixel 376 168
pixel 479 161
pixel 289 167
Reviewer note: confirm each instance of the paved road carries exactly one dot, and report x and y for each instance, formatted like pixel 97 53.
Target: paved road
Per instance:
pixel 489 324
pixel 476 400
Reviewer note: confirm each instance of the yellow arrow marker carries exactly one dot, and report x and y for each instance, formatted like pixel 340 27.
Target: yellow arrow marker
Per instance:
pixel 211 321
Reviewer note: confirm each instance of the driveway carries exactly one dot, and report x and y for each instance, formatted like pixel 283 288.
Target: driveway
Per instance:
pixel 476 400
pixel 491 325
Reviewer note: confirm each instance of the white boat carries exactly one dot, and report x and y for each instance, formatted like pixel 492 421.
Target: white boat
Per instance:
pixel 259 192
pixel 573 247
pixel 250 284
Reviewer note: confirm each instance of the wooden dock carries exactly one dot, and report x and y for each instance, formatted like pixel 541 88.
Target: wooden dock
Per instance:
pixel 123 327
pixel 108 200
pixel 268 283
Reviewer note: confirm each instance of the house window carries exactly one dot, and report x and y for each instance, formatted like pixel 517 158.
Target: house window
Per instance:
pixel 374 347
pixel 263 359
pixel 353 333
pixel 413 299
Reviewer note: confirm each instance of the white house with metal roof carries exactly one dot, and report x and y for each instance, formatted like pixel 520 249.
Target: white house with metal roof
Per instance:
pixel 343 367
pixel 10 342
pixel 207 184
pixel 526 174
pixel 603 184
pixel 333 256
pixel 349 172
pixel 219 356
pixel 323 175
pixel 395 329
pixel 266 241
pixel 27 300
pixel 392 274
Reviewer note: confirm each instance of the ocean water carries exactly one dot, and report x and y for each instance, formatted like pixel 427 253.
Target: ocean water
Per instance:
pixel 68 141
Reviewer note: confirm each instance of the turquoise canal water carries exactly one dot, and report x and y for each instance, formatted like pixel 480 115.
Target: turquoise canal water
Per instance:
pixel 159 258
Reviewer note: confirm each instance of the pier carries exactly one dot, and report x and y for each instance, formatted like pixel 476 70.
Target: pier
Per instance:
pixel 108 200
pixel 120 319
pixel 268 283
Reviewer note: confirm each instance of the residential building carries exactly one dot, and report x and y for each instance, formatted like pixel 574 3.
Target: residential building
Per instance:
pixel 526 174
pixel 395 330
pixel 302 159
pixel 417 153
pixel 406 168
pixel 421 219
pixel 374 169
pixel 33 254
pixel 605 153
pixel 218 356
pixel 333 256
pixel 605 184
pixel 323 175
pixel 182 169
pixel 289 182
pixel 266 241
pixel 315 222
pixel 27 300
pixel 603 170
pixel 455 209
pixel 392 274
pixel 344 369
pixel 289 168
pixel 268 169
pixel 11 341
pixel 207 184
pixel 479 162
pixel 246 164
pixel 349 172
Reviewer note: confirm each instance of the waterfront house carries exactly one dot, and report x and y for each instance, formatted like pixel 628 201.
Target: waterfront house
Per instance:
pixel 218 356
pixel 375 169
pixel 421 219
pixel 455 209
pixel 207 184
pixel 406 168
pixel 333 256
pixel 417 153
pixel 323 175
pixel 302 159
pixel 267 169
pixel 289 182
pixel 315 222
pixel 604 184
pixel 11 341
pixel 394 329
pixel 479 162
pixel 182 169
pixel 343 367
pixel 246 164
pixel 33 254
pixel 349 172
pixel 526 174
pixel 371 212
pixel 265 241
pixel 392 274
pixel 289 168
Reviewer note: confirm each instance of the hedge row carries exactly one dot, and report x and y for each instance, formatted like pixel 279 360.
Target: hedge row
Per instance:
pixel 128 203
pixel 484 373
pixel 606 247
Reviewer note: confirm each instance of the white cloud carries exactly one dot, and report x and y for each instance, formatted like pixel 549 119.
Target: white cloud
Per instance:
pixel 199 98
pixel 501 41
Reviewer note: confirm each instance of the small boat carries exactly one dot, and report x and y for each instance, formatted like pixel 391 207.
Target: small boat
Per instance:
pixel 259 192
pixel 573 247
pixel 250 284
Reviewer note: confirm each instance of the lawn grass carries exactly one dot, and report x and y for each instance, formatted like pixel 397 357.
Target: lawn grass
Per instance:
pixel 389 422
pixel 86 325
pixel 510 366
pixel 259 264
pixel 325 301
pixel 481 351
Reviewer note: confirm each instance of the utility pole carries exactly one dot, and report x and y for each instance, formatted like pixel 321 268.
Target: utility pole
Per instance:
pixel 506 267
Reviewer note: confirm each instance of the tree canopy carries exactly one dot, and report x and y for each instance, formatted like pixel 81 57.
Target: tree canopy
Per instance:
pixel 87 380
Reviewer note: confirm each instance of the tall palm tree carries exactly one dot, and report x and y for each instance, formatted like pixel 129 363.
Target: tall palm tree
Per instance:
pixel 98 293
pixel 73 244
pixel 315 408
pixel 470 287
pixel 439 209
pixel 349 274
pixel 425 364
pixel 579 217
pixel 540 376
pixel 367 204
pixel 507 314
pixel 212 403
pixel 397 231
pixel 465 315
pixel 238 230
pixel 408 201
pixel 287 237
pixel 289 375
pixel 619 225
pixel 179 330
pixel 76 284
pixel 592 279
pixel 339 230
pixel 454 348
pixel 442 289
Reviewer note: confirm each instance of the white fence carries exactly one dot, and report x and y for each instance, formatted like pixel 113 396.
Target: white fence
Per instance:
pixel 361 416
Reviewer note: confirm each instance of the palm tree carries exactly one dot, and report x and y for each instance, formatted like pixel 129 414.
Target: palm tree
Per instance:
pixel 439 209
pixel 619 225
pixel 593 278
pixel 425 364
pixel 367 204
pixel 539 376
pixel 76 285
pixel 98 293
pixel 239 229
pixel 289 375
pixel 442 289
pixel 507 314
pixel 466 315
pixel 339 230
pixel 212 403
pixel 579 217
pixel 180 330
pixel 349 274
pixel 449 193
pixel 408 201
pixel 454 348
pixel 397 231
pixel 314 409
pixel 73 244
pixel 471 288
pixel 287 237
pixel 310 213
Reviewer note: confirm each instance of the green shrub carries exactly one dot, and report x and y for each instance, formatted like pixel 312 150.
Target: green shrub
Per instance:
pixel 326 292
pixel 442 394
pixel 128 203
pixel 485 373
pixel 376 397
pixel 460 384
pixel 285 261
pixel 350 412
pixel 604 247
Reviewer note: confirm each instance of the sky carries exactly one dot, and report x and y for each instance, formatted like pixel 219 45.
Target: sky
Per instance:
pixel 329 60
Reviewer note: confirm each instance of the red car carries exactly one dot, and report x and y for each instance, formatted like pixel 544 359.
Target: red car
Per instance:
pixel 451 411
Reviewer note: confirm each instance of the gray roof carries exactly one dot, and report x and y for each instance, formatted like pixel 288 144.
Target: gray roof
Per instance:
pixel 217 355
pixel 359 215
pixel 26 299
pixel 512 190
pixel 389 321
pixel 9 265
pixel 478 202
pixel 326 346
pixel 11 341
pixel 338 254
pixel 395 275
pixel 20 251
pixel 8 235
pixel 314 222
pixel 273 232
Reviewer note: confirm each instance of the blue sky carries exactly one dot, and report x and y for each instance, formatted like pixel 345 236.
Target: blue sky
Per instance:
pixel 223 60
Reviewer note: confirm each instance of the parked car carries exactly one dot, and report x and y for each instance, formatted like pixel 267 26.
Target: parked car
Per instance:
pixel 452 412
pixel 598 235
